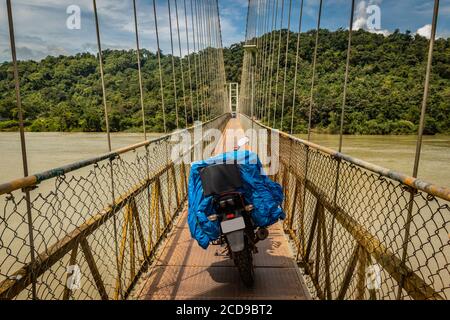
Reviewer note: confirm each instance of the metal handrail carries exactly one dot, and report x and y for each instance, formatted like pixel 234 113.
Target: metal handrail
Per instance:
pixel 418 184
pixel 37 178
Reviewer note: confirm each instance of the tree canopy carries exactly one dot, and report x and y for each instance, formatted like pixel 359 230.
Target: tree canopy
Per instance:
pixel 384 92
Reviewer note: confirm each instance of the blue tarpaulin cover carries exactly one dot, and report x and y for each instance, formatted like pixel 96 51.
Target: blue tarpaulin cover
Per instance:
pixel 265 195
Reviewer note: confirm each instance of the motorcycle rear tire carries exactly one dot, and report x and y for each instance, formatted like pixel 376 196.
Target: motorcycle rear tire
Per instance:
pixel 244 262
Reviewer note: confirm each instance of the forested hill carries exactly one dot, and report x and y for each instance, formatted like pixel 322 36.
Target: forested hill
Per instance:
pixel 386 82
pixel 385 90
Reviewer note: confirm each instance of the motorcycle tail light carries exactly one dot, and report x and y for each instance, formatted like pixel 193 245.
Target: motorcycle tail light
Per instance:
pixel 230 215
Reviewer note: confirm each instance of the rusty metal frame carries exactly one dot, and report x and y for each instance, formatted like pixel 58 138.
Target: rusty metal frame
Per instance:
pixel 367 246
pixel 131 228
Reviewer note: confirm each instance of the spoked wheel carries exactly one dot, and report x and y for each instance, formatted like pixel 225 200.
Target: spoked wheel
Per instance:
pixel 244 262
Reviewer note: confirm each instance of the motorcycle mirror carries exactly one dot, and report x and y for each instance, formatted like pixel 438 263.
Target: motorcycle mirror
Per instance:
pixel 242 141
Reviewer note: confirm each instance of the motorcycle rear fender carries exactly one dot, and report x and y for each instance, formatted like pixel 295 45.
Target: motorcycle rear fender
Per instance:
pixel 236 240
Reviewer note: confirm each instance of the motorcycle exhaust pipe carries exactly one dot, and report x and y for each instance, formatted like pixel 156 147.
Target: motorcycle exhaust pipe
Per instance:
pixel 262 234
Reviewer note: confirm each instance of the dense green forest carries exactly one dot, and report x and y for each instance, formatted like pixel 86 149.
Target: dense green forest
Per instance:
pixel 384 96
pixel 385 83
pixel 64 93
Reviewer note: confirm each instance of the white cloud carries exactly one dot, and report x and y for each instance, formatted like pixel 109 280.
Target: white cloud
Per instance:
pixel 40 27
pixel 233 16
pixel 425 31
pixel 362 17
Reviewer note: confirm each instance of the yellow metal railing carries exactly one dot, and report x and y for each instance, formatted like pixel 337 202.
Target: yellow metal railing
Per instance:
pixel 102 218
pixel 361 231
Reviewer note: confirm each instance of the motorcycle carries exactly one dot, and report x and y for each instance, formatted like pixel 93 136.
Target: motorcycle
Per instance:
pixel 238 232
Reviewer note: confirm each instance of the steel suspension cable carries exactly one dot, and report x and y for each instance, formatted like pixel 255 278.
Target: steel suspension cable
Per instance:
pixel 194 41
pixel 138 57
pixel 285 64
pixel 29 218
pixel 102 75
pixel 272 62
pixel 188 60
pixel 426 89
pixel 113 197
pixel 313 78
pixel 260 59
pixel 207 22
pixel 173 65
pixel 221 61
pixel 161 83
pixel 258 63
pixel 278 65
pixel 181 66
pixel 269 64
pixel 215 59
pixel 338 164
pixel 200 60
pixel 294 98
pixel 205 59
pixel 347 68
pixel 264 57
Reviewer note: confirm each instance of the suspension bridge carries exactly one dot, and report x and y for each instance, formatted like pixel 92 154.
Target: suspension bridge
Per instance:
pixel 353 230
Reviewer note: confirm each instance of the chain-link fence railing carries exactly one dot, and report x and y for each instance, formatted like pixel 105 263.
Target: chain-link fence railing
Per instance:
pixel 362 231
pixel 95 225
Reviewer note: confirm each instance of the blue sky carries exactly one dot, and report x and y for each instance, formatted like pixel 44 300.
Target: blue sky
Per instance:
pixel 41 25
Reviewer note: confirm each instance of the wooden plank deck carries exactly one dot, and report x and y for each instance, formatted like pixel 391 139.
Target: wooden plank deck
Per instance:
pixel 183 270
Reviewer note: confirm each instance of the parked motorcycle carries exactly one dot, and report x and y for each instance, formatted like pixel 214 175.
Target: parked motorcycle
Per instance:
pixel 238 232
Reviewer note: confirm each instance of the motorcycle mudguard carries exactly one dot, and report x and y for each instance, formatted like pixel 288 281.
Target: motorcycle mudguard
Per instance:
pixel 236 240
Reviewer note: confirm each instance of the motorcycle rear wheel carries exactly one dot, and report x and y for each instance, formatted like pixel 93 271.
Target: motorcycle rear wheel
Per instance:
pixel 244 262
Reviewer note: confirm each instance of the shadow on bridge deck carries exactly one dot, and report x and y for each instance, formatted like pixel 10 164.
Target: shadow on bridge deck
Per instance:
pixel 183 270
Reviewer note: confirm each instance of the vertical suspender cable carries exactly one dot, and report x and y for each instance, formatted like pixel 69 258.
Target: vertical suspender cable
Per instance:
pixel 189 60
pixel 285 64
pixel 181 67
pixel 426 89
pixel 338 164
pixel 264 58
pixel 347 68
pixel 161 86
pixel 23 146
pixel 256 57
pixel 294 93
pixel 206 21
pixel 274 25
pixel 174 78
pixel 196 53
pixel 138 56
pixel 221 61
pixel 204 60
pixel 278 64
pixel 100 59
pixel 200 62
pixel 261 55
pixel 269 66
pixel 313 77
pixel 102 77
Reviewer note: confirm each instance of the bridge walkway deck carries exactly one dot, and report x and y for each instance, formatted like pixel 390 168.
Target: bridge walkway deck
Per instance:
pixel 183 270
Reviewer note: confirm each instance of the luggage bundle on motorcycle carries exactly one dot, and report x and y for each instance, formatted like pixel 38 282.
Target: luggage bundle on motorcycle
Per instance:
pixel 231 202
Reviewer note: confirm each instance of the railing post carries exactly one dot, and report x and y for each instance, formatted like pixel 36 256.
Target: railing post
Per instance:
pixel 291 214
pixel 113 204
pixel 302 217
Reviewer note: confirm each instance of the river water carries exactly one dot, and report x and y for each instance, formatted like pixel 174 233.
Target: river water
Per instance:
pixel 397 153
pixel 49 150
